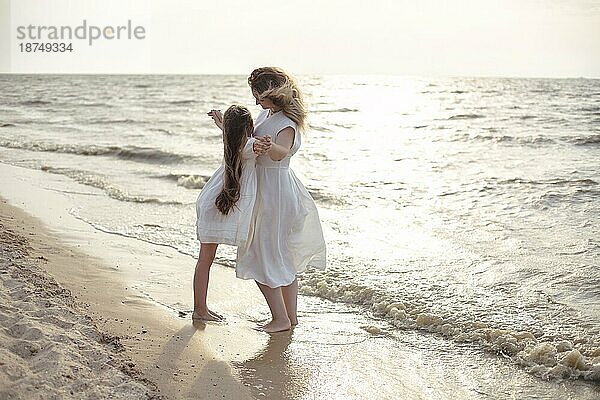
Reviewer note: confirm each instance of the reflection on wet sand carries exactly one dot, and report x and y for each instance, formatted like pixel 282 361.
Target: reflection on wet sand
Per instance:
pixel 190 374
pixel 273 373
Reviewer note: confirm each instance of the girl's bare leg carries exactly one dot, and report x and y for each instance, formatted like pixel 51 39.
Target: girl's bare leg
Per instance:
pixel 290 298
pixel 205 259
pixel 280 321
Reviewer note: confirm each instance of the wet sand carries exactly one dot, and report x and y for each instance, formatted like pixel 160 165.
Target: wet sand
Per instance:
pixel 95 272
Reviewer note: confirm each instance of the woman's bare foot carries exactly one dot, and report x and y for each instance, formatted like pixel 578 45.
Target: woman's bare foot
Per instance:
pixel 206 315
pixel 277 326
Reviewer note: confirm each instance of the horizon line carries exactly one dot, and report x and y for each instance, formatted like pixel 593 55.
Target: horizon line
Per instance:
pixel 305 74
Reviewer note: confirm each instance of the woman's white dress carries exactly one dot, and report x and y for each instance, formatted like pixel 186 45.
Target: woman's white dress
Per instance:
pixel 214 227
pixel 285 234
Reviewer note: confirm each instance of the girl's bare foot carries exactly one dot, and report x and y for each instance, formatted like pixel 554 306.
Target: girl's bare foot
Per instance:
pixel 277 326
pixel 206 315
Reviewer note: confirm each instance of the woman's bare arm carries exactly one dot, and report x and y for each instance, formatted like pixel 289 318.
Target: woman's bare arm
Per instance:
pixel 282 145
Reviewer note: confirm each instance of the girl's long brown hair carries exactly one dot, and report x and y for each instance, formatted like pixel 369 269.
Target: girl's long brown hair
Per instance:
pixel 237 125
pixel 279 86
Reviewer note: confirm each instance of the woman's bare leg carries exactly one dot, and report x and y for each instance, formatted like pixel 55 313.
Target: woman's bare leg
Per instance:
pixel 280 321
pixel 290 298
pixel 205 259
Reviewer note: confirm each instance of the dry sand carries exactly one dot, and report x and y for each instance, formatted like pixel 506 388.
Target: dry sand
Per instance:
pixel 50 348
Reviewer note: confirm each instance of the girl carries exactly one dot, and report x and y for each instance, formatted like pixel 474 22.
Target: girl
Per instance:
pixel 224 206
pixel 285 232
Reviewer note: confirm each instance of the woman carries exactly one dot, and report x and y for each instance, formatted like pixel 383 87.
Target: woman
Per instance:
pixel 285 234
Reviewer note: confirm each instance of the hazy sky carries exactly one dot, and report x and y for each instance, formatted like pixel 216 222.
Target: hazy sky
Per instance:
pixel 548 38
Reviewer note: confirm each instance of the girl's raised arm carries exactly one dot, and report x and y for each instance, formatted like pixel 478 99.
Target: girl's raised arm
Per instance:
pixel 217 116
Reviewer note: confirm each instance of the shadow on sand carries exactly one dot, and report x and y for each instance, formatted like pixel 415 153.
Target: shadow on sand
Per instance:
pixel 181 356
pixel 270 373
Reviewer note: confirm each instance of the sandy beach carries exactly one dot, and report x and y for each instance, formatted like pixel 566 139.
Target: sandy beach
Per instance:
pixel 51 347
pixel 73 328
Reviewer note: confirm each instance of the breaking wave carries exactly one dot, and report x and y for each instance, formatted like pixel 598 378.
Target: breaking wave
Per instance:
pixel 187 181
pixel 546 356
pixel 133 153
pixel 102 183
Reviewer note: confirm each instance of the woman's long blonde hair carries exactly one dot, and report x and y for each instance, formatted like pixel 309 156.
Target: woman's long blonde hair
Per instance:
pixel 237 125
pixel 281 88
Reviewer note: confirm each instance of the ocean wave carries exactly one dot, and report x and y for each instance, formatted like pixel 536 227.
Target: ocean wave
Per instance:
pixel 585 140
pixel 187 181
pixel 550 193
pixel 466 116
pixel 6 125
pixel 162 130
pixel 554 182
pixel 547 357
pixel 100 182
pixel 125 121
pixel 192 181
pixel 91 105
pixel 189 101
pixel 319 128
pixel 105 229
pixel 345 126
pixel 322 197
pixel 34 102
pixel 571 198
pixel 548 90
pixel 591 110
pixel 528 140
pixel 132 153
pixel 146 154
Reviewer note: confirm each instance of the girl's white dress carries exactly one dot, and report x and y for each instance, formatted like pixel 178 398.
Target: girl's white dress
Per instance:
pixel 285 234
pixel 214 227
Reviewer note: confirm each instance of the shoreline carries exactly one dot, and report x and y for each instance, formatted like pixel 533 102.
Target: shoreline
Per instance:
pixel 140 336
pixel 183 360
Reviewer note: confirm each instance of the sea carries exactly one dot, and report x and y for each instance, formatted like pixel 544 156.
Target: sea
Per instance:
pixel 461 215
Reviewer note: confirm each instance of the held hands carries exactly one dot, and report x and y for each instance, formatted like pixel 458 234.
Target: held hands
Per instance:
pixel 262 145
pixel 217 116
